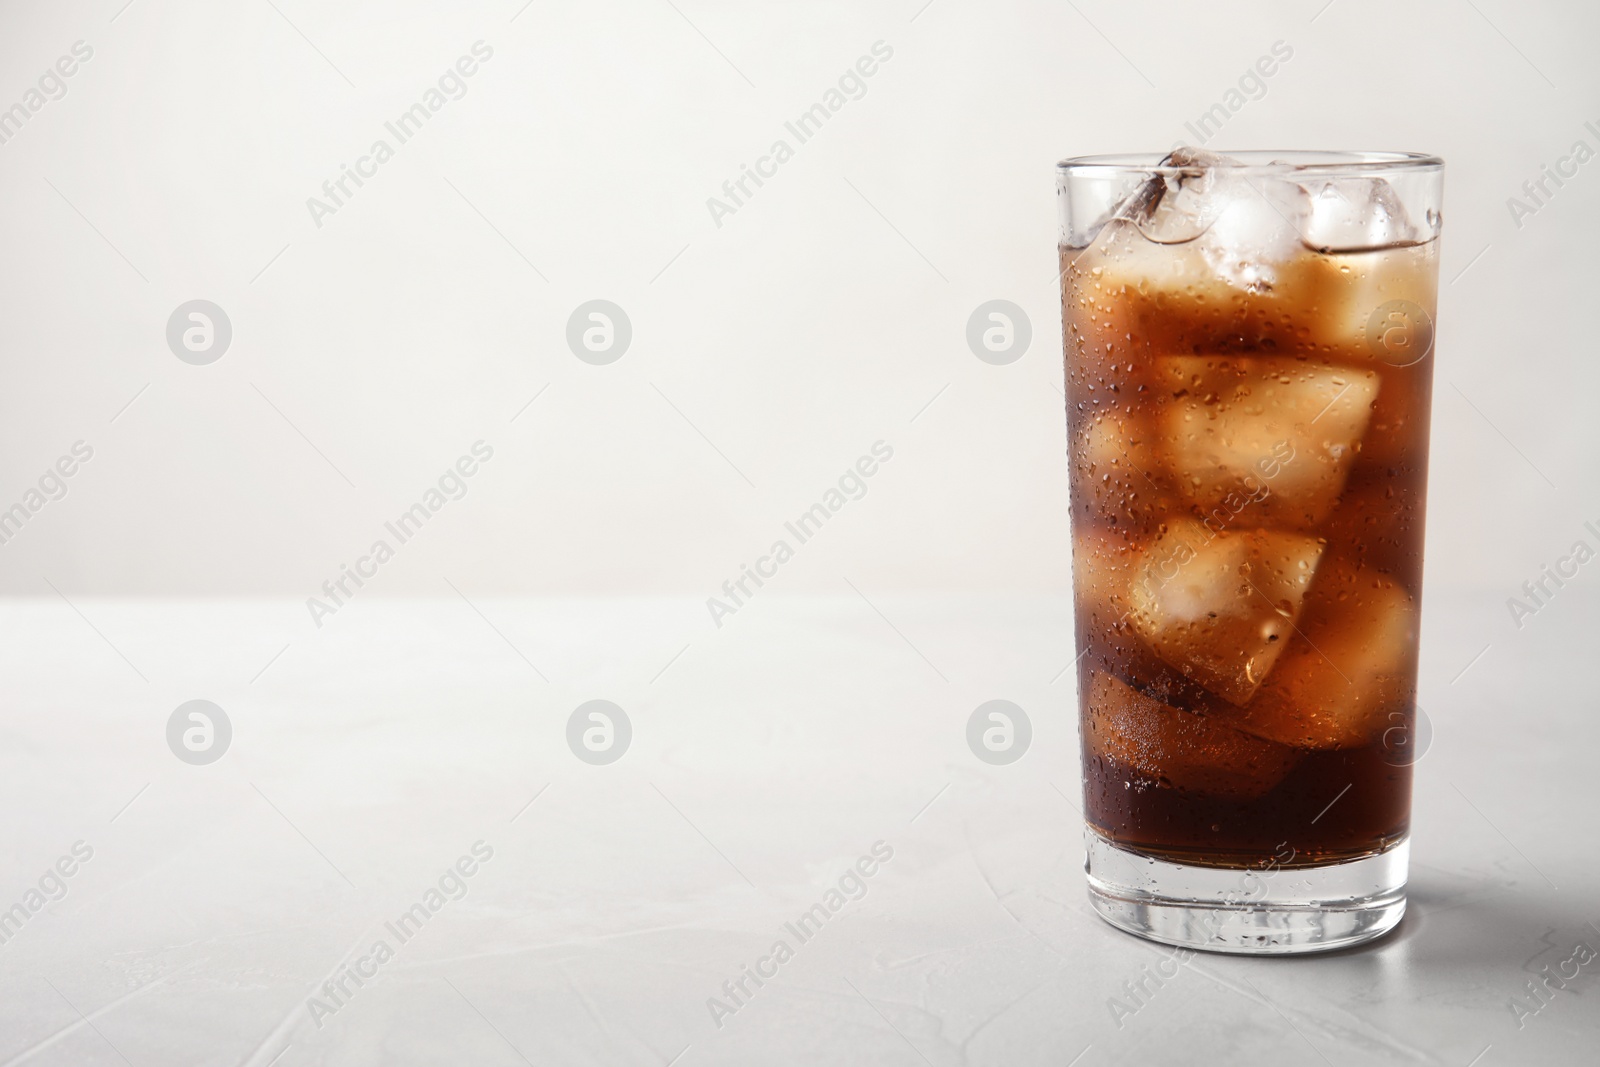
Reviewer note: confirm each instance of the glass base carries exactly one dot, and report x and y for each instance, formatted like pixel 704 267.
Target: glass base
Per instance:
pixel 1265 910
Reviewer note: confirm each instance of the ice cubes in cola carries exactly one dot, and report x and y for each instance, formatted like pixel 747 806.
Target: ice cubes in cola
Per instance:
pixel 1248 450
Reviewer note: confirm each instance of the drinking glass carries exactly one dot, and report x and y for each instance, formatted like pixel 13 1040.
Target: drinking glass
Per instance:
pixel 1249 362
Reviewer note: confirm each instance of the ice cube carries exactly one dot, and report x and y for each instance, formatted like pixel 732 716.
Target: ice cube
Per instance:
pixel 1178 749
pixel 1113 440
pixel 1107 347
pixel 1354 665
pixel 1271 437
pixel 1257 231
pixel 1126 297
pixel 1370 307
pixel 1246 226
pixel 1377 286
pixel 1103 559
pixel 1221 606
pixel 1175 206
pixel 1115 471
pixel 1355 214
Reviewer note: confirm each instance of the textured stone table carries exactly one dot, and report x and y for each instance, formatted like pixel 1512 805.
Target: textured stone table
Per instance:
pixel 402 777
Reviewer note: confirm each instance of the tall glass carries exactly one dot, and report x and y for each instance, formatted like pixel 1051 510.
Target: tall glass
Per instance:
pixel 1249 363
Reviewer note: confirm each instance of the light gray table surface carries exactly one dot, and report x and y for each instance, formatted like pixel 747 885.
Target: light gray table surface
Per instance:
pixel 371 754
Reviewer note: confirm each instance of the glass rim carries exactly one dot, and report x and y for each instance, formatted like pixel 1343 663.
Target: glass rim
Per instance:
pixel 1259 161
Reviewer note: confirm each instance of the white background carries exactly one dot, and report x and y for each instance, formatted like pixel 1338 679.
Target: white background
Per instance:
pixel 792 337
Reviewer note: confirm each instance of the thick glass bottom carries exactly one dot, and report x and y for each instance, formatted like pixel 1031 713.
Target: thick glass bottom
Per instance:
pixel 1265 910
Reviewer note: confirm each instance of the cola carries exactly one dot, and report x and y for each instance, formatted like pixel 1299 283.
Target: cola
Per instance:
pixel 1248 370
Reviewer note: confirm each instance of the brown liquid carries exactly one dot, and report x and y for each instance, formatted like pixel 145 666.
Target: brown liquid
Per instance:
pixel 1249 468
